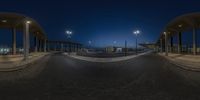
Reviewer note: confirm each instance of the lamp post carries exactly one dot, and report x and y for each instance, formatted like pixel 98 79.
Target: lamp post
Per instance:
pixel 69 34
pixel 26 40
pixel 136 33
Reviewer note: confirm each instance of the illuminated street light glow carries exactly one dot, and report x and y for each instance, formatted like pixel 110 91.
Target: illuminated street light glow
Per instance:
pixel 180 25
pixel 68 33
pixel 28 22
pixel 137 32
pixel 165 33
pixel 4 21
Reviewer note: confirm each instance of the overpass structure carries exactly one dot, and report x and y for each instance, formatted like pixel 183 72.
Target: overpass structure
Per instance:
pixel 64 46
pixel 30 27
pixel 148 45
pixel 189 23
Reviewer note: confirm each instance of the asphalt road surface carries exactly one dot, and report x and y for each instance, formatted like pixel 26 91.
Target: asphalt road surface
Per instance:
pixel 58 77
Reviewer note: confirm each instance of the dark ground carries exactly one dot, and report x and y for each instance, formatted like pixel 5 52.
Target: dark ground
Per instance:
pixel 58 77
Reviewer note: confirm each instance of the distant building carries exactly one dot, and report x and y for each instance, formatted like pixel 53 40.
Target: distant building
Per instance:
pixel 109 49
pixel 112 49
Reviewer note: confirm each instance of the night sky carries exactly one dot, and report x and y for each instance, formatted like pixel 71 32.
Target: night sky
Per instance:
pixel 101 21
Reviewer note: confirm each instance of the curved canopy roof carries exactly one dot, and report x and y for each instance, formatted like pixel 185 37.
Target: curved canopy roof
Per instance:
pixel 11 20
pixel 182 23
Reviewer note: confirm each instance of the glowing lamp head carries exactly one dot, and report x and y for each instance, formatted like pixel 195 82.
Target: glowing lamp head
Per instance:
pixel 165 33
pixel 4 21
pixel 136 32
pixel 28 22
pixel 180 25
pixel 69 32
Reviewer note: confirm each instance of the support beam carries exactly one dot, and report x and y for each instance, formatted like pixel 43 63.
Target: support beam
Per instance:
pixel 45 45
pixel 48 46
pixel 166 44
pixel 179 42
pixel 194 41
pixel 36 43
pixel 171 44
pixel 161 45
pixel 14 41
pixel 26 41
pixel 40 45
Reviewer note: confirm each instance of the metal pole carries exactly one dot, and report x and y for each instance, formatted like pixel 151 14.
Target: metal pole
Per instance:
pixel 136 44
pixel 194 42
pixel 125 48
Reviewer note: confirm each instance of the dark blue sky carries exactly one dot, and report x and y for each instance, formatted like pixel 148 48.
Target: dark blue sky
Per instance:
pixel 102 21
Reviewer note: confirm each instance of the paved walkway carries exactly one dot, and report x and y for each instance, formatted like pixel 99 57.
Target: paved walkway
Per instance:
pixel 189 62
pixel 114 59
pixel 16 62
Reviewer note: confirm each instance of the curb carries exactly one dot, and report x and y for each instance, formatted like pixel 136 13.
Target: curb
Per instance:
pixel 106 60
pixel 22 66
pixel 184 67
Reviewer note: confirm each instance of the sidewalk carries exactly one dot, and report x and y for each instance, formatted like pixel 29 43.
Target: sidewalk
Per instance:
pixel 188 62
pixel 16 62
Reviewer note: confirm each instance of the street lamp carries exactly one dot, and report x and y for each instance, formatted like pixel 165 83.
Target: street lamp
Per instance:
pixel 68 33
pixel 26 40
pixel 136 33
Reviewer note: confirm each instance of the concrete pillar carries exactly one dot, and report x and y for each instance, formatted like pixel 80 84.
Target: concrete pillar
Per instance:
pixel 40 45
pixel 45 45
pixel 166 44
pixel 161 45
pixel 179 42
pixel 194 41
pixel 36 44
pixel 171 44
pixel 48 46
pixel 26 41
pixel 14 41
